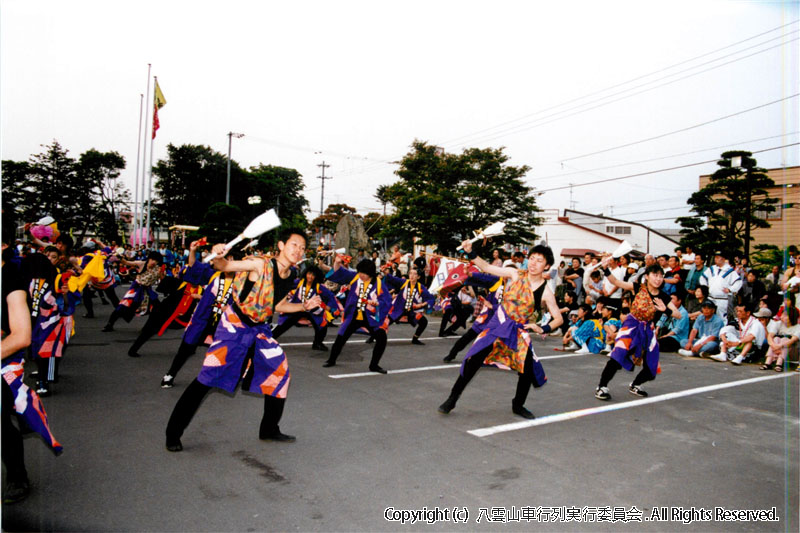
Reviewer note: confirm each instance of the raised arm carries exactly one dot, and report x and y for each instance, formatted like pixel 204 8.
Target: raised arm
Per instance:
pixel 624 285
pixel 485 266
pixel 245 265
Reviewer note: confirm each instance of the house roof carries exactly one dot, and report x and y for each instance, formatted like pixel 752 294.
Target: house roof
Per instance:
pixel 648 228
pixel 566 220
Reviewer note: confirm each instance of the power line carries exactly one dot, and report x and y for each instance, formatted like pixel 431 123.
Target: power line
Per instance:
pixel 623 83
pixel 654 171
pixel 563 175
pixel 682 129
pixel 533 123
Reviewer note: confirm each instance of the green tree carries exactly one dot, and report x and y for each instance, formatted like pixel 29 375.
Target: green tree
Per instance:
pixel 189 181
pixel 222 222
pixel 279 188
pixel 441 198
pixel 374 224
pixel 16 177
pixel 99 172
pixel 330 218
pixel 721 207
pixel 54 189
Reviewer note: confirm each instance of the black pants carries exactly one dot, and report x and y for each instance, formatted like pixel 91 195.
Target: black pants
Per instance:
pixel 13 450
pixel 88 296
pixel 611 368
pixel 669 344
pixel 473 364
pixel 422 323
pixel 462 343
pixel 185 351
pixel 461 312
pixel 193 396
pixel 377 333
pixel 48 367
pixel 292 320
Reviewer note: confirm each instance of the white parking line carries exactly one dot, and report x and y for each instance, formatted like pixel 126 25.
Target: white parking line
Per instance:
pixel 561 417
pixel 388 340
pixel 437 367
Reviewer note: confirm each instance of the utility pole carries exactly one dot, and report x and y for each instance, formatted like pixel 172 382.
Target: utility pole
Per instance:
pixel 231 135
pixel 323 178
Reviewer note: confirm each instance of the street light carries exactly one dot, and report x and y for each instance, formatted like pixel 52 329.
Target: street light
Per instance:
pixel 231 135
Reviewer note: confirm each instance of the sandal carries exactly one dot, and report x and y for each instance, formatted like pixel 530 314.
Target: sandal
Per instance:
pixel 779 368
pixel 766 366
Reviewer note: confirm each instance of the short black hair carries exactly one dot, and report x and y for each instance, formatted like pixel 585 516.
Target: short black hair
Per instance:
pixel 285 233
pixel 704 290
pixel 709 304
pixel 655 268
pixel 680 295
pixel 366 266
pixel 316 272
pixel 545 252
pixel 586 308
pixel 157 257
pixel 66 240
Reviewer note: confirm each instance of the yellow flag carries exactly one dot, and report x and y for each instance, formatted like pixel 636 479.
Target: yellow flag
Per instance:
pixel 158 98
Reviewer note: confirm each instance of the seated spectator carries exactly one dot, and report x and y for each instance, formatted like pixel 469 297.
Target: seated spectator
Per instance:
pixel 594 288
pixel 786 339
pixel 772 281
pixel 569 305
pixel 611 326
pixel 693 305
pixel 678 329
pixel 747 339
pixel 591 336
pixel 583 313
pixel 704 337
pixel 573 278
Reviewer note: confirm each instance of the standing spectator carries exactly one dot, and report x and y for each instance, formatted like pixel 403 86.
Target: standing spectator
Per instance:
pixel 687 259
pixel 773 279
pixel 752 290
pixel 722 282
pixel 573 278
pixel 694 273
pixel 420 263
pixel 737 343
pixel 497 257
pixel 781 342
pixel 704 337
pixel 672 275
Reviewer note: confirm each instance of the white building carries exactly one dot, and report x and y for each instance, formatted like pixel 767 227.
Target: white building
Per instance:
pixel 575 232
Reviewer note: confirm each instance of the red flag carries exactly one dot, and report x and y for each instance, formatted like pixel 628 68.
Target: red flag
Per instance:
pixel 456 277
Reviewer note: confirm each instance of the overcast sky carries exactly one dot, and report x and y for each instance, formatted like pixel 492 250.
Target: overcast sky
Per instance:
pixel 354 83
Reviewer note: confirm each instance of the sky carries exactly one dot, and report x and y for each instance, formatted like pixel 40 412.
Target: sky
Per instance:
pixel 578 91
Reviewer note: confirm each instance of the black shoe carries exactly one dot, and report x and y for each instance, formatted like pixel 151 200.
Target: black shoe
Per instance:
pixel 319 347
pixel 601 393
pixel 278 437
pixel 329 364
pixel 370 340
pixel 521 411
pixel 42 388
pixel 88 315
pixel 104 302
pixel 34 374
pixel 447 406
pixel 636 390
pixel 417 341
pixel 376 368
pixel 448 358
pixel 174 445
pixel 107 328
pixel 16 491
pixel 131 353
pixel 167 382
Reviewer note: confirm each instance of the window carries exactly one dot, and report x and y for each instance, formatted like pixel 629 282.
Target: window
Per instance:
pixel 774 215
pixel 619 230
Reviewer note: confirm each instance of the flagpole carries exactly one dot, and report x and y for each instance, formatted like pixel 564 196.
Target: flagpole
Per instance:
pixel 150 167
pixel 144 158
pixel 138 155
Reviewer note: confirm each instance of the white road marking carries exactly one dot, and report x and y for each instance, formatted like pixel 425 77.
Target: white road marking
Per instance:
pixel 356 340
pixel 437 367
pixel 570 415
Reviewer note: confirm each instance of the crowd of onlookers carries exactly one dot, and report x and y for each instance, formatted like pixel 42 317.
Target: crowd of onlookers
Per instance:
pixel 727 312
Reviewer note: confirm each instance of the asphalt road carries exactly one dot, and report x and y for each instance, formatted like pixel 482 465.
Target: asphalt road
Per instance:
pixel 372 448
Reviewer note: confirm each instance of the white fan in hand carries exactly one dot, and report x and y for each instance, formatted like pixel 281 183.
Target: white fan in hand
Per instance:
pixel 493 230
pixel 260 225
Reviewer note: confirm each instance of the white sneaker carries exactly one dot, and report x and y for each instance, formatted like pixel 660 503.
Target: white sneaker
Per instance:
pixel 571 346
pixel 686 353
pixel 738 359
pixel 583 350
pixel 720 357
pixel 606 349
